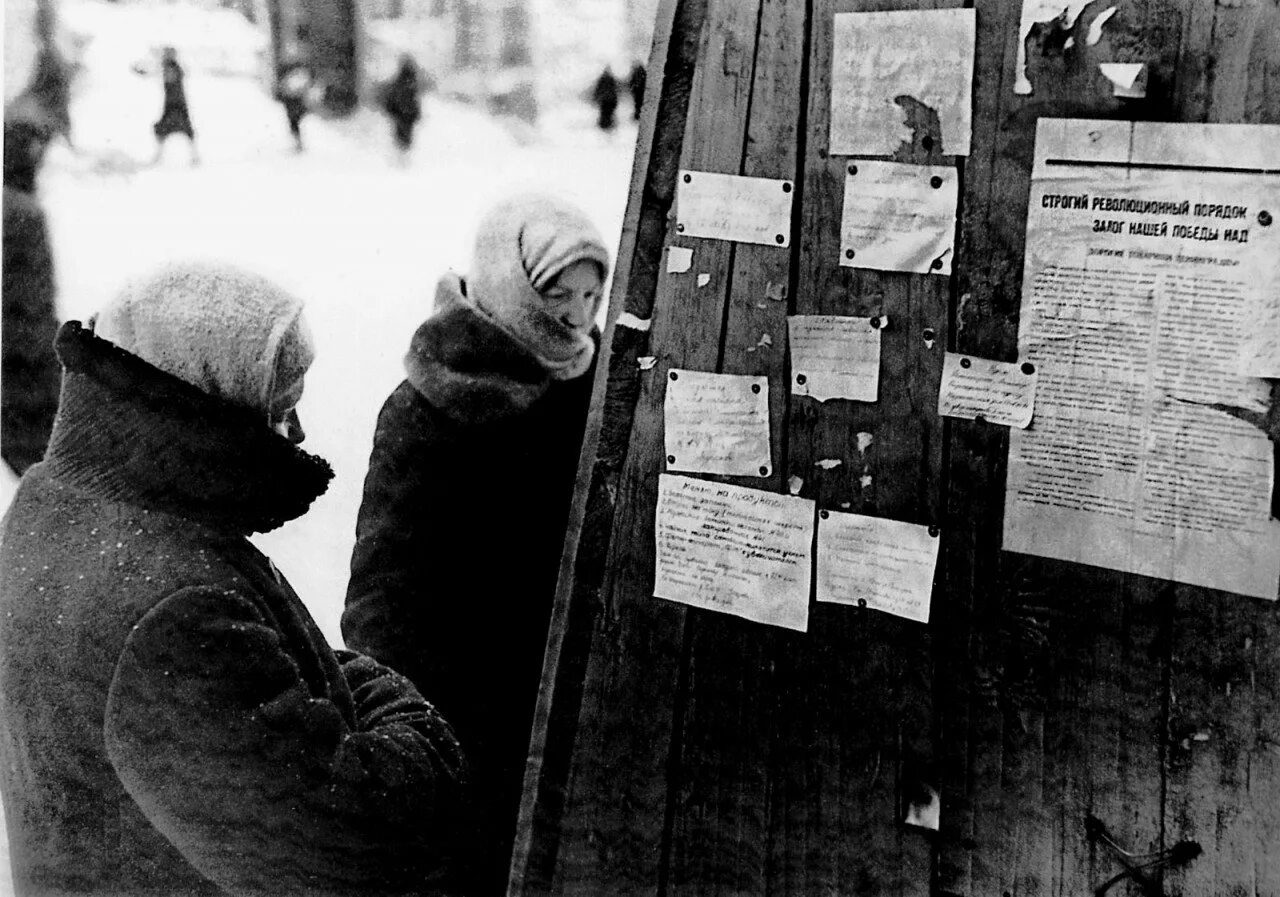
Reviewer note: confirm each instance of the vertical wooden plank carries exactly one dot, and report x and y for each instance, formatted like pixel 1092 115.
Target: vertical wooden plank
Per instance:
pixel 608 430
pixel 721 812
pixel 615 826
pixel 856 729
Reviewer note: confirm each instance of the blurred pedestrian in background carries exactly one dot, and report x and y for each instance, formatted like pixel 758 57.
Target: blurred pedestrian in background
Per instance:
pixel 175 117
pixel 466 501
pixel 605 97
pixel 30 374
pixel 636 84
pixel 294 92
pixel 174 721
pixel 402 101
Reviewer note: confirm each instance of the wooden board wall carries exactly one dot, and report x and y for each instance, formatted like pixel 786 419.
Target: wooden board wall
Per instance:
pixel 680 751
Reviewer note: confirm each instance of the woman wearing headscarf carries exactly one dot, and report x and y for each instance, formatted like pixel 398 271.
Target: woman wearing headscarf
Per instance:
pixel 466 501
pixel 174 722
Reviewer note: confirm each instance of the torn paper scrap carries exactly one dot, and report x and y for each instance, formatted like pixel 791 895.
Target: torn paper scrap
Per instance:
pixel 1135 329
pixel 895 72
pixel 627 319
pixel 646 362
pixel 731 207
pixel 828 463
pixel 738 551
pixel 1095 27
pixel 704 279
pixel 1035 12
pixel 998 392
pixel 1128 79
pixel 884 565
pixel 717 423
pixel 795 484
pixel 899 217
pixel 925 811
pixel 679 259
pixel 834 357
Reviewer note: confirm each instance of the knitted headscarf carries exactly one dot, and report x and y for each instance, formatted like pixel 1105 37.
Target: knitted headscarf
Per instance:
pixel 522 246
pixel 233 334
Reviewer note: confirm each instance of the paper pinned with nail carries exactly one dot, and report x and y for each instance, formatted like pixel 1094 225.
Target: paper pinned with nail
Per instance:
pixel 738 551
pixel 679 259
pixel 732 207
pixel 998 392
pixel 898 217
pixel 834 357
pixel 884 565
pixel 895 73
pixel 717 423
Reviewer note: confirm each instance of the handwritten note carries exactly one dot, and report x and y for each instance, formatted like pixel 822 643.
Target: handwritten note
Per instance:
pixel 835 357
pixel 735 550
pixel 894 74
pixel 730 207
pixel 997 391
pixel 898 217
pixel 717 423
pixel 885 565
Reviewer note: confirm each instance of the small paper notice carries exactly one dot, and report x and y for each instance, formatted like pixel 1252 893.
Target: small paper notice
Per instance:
pixel 834 357
pixel 717 423
pixel 679 259
pixel 735 550
pixel 999 392
pixel 893 73
pixel 730 207
pixel 885 565
pixel 898 217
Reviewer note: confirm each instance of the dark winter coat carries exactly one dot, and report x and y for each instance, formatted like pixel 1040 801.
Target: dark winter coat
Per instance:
pixel 30 376
pixel 458 546
pixel 175 118
pixel 173 720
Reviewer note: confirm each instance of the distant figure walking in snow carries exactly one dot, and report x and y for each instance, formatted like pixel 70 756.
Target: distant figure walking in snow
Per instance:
pixel 636 83
pixel 294 89
pixel 605 97
pixel 175 118
pixel 402 101
pixel 491 416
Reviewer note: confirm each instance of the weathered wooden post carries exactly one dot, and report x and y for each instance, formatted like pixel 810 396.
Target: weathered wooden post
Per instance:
pixel 1065 713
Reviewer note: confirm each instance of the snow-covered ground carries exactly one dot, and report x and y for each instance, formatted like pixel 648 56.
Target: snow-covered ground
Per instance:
pixel 360 237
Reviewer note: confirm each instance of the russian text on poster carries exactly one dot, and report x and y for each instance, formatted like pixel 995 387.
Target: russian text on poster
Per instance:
pixel 717 423
pixel 895 73
pixel 1140 288
pixel 884 565
pixel 998 392
pixel 835 357
pixel 898 217
pixel 739 551
pixel 732 207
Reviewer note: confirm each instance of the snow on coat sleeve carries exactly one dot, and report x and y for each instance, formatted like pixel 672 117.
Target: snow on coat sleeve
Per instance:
pixel 215 728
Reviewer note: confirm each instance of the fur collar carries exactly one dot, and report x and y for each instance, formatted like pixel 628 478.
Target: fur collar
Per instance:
pixel 468 367
pixel 128 431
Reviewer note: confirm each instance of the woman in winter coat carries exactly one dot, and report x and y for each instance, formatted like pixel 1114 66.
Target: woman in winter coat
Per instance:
pixel 174 722
pixel 465 506
pixel 403 104
pixel 175 117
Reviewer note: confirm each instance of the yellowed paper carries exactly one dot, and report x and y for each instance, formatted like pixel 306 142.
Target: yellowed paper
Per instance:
pixel 717 423
pixel 731 207
pixel 999 392
pixel 1137 293
pixel 885 565
pixel 895 72
pixel 739 551
pixel 898 217
pixel 834 357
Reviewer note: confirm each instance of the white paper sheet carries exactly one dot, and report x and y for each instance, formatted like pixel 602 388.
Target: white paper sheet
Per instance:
pixel 885 565
pixel 887 67
pixel 679 259
pixel 731 207
pixel 717 423
pixel 898 217
pixel 997 391
pixel 735 550
pixel 1137 293
pixel 834 357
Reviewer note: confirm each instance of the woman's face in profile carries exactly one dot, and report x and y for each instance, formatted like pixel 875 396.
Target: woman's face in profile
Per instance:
pixel 573 297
